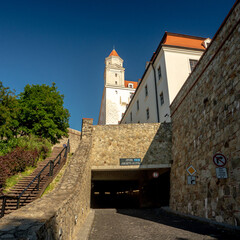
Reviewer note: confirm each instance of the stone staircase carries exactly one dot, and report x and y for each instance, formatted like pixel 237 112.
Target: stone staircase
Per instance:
pixel 36 189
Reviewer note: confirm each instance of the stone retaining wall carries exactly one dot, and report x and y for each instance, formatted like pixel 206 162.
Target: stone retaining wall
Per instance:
pixel 206 121
pixel 74 138
pixel 149 141
pixel 58 214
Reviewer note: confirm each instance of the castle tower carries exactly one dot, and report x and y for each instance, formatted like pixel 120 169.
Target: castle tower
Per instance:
pixel 114 71
pixel 117 91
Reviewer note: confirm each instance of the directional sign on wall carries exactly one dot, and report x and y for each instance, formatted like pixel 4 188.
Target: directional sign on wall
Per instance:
pixel 191 180
pixel 219 160
pixel 130 161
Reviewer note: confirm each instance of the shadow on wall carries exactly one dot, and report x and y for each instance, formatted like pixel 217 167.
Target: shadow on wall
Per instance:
pixel 159 151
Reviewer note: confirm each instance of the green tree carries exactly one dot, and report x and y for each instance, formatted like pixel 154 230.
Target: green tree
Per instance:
pixel 42 112
pixel 9 110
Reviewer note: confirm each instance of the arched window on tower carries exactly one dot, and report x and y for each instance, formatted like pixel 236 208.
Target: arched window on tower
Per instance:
pixel 130 85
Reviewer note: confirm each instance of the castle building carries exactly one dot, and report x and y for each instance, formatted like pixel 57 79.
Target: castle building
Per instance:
pixel 117 92
pixel 168 69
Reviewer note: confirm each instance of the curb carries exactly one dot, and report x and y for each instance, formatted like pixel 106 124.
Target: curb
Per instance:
pixel 84 231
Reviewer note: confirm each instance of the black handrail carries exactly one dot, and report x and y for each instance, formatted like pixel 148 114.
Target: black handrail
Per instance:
pixel 38 176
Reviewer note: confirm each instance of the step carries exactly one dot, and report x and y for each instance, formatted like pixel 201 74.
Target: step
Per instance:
pixel 32 193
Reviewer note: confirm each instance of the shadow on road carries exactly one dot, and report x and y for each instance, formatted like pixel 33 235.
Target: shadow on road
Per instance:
pixel 162 217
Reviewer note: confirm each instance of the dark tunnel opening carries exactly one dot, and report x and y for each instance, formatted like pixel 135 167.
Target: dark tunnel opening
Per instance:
pixel 140 191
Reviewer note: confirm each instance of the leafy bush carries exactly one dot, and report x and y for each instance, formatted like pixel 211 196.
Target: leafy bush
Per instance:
pixel 20 153
pixel 16 161
pixel 30 142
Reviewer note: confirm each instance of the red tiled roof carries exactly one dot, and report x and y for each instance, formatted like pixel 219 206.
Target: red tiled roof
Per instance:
pixel 114 53
pixel 182 40
pixel 134 83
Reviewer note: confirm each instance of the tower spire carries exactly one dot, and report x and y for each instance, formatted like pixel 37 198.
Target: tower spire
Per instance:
pixel 114 53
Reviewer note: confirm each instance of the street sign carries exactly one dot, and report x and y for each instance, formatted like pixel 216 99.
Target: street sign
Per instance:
pixel 155 174
pixel 191 170
pixel 191 180
pixel 221 172
pixel 130 161
pixel 219 160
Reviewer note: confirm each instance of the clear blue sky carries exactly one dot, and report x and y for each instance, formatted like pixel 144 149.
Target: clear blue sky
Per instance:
pixel 66 42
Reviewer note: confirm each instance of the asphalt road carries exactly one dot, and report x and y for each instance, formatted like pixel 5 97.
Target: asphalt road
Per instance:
pixel 151 224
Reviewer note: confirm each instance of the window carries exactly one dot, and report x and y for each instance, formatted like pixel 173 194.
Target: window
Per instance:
pixel 159 73
pixel 130 85
pixel 161 98
pixel 115 75
pixel 131 116
pixel 193 63
pixel 147 112
pixel 116 92
pixel 116 82
pixel 137 105
pixel 146 91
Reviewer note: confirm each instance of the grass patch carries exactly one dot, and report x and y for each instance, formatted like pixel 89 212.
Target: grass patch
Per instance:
pixel 13 180
pixel 57 179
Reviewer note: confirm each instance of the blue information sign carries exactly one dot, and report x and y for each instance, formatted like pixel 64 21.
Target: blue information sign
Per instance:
pixel 130 161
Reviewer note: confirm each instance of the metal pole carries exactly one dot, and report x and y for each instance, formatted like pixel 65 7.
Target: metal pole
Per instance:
pixel 59 161
pixel 3 206
pixel 51 168
pixel 18 201
pixel 38 184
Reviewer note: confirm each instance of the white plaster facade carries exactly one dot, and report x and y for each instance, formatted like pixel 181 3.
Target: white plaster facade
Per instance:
pixel 174 63
pixel 117 92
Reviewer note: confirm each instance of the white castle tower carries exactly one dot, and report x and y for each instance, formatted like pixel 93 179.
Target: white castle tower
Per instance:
pixel 117 92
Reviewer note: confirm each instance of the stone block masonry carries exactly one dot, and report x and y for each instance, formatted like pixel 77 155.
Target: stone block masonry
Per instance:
pixel 206 121
pixel 58 214
pixel 74 139
pixel 150 142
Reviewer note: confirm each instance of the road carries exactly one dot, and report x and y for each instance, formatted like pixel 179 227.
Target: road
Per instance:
pixel 150 224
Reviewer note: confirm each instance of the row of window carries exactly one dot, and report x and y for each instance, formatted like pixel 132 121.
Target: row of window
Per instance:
pixel 192 62
pixel 146 94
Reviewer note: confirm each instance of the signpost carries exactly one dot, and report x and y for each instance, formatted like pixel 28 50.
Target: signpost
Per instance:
pixel 220 161
pixel 191 180
pixel 191 170
pixel 221 172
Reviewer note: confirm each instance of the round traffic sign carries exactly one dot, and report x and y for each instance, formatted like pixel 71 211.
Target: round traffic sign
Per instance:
pixel 155 174
pixel 219 160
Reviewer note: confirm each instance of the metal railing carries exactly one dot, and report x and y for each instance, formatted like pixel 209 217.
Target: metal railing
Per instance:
pixel 52 164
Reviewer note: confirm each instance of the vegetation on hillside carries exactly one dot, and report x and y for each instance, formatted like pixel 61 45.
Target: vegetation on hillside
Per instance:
pixel 29 124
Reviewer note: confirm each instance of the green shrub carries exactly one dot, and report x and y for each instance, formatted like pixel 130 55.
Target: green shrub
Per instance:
pixel 16 161
pixel 30 142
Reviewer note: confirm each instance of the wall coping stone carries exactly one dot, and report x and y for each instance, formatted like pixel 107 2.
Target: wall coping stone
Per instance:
pixel 38 219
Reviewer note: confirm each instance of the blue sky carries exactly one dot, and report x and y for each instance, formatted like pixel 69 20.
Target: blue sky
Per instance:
pixel 66 42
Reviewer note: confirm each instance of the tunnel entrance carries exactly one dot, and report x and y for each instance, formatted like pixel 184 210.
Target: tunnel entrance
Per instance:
pixel 130 188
